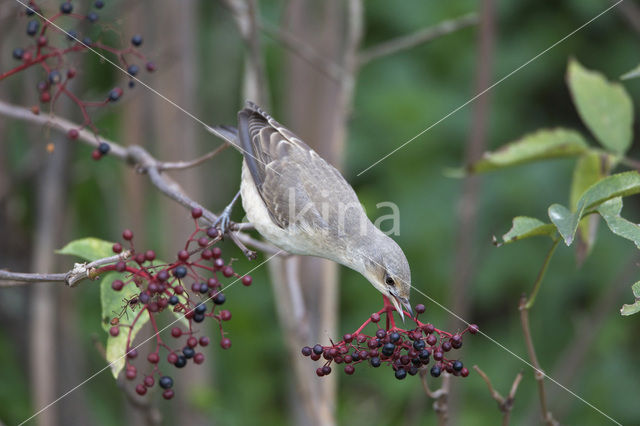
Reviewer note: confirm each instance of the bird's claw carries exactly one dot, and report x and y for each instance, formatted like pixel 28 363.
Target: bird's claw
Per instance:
pixel 223 223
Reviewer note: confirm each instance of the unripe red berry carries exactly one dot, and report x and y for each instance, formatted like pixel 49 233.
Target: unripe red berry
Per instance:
pixel 114 331
pixel 225 343
pixel 176 332
pixel 139 258
pixel 217 252
pixel 172 358
pixel 73 134
pixel 183 255
pixel 153 358
pixel 192 342
pixel 196 212
pixel 464 372
pixel 347 338
pixel 149 255
pixel 203 241
pixel 42 41
pixel 198 358
pixel 71 72
pixel 127 234
pixel 349 369
pixel 218 263
pixel 132 354
pixel 225 315
pixel 375 317
pixel 206 254
pixel 95 154
pixel 141 389
pixel 45 97
pixel 131 372
pixel 168 394
pixel 247 280
pixel 431 340
pixel 149 381
pixel 121 266
pixel 227 271
pixel 204 341
pixel 117 285
pixel 473 329
pixel 319 372
pixel 151 67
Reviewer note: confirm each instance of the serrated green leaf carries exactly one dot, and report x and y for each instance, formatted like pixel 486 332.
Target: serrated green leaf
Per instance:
pixel 543 144
pixel 526 227
pixel 634 73
pixel 618 185
pixel 589 169
pixel 634 307
pixel 610 212
pixel 604 107
pixel 89 249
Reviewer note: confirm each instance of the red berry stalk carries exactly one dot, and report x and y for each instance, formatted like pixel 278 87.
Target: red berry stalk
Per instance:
pixel 165 287
pixel 406 351
pixel 53 39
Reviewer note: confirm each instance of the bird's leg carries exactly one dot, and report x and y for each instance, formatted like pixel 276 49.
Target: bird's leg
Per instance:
pixel 224 219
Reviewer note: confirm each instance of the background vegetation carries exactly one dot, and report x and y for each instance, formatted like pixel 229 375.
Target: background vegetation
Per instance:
pixel 200 58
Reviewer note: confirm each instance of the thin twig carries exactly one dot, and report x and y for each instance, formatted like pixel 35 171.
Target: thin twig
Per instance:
pixel 417 38
pixel 504 404
pixel 80 271
pixel 538 374
pixel 180 165
pixel 134 155
pixel 439 396
pixel 304 51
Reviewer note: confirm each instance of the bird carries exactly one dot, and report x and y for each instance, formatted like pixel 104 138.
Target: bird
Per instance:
pixel 302 204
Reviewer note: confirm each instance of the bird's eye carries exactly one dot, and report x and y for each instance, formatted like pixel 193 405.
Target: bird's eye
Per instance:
pixel 389 280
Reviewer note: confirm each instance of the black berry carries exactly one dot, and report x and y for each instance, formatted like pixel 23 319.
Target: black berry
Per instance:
pixel 166 382
pixel 180 272
pixel 99 4
pixel 435 371
pixel 136 40
pixel 375 362
pixel 401 373
pixel 133 70
pixel 180 362
pixel 32 27
pixel 188 352
pixel 18 53
pixel 219 299
pixel 92 17
pixel 457 365
pixel 104 148
pixel 66 7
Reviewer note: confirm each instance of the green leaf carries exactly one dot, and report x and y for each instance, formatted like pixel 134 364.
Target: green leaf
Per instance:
pixel 540 145
pixel 605 107
pixel 525 227
pixel 634 73
pixel 89 249
pixel 589 169
pixel 618 185
pixel 635 307
pixel 116 346
pixel 610 212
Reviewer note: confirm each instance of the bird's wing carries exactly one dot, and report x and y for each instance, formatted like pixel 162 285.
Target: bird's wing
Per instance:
pixel 295 183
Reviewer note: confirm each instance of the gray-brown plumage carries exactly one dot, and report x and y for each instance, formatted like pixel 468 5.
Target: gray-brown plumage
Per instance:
pixel 302 204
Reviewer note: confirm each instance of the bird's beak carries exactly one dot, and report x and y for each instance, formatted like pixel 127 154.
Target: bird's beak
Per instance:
pixel 401 301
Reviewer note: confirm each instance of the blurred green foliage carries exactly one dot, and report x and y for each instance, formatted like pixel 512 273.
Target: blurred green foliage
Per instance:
pixel 396 97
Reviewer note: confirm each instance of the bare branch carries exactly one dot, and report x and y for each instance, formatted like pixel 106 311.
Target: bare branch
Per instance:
pixel 80 272
pixel 440 396
pixel 180 165
pixel 137 157
pixel 504 404
pixel 538 374
pixel 307 53
pixel 419 37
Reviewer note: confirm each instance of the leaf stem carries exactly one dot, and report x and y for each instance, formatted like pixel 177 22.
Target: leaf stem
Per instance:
pixel 541 273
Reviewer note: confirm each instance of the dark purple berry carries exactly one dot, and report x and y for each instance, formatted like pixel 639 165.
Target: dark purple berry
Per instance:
pixel 394 337
pixel 418 345
pixel 180 272
pixel 401 373
pixel 18 53
pixel 136 40
pixel 436 371
pixel 92 17
pixel 219 299
pixel 380 333
pixel 306 351
pixel 104 148
pixel 388 349
pixel 32 27
pixel 188 352
pixel 181 361
pixel 115 94
pixel 375 362
pixel 457 365
pixel 99 4
pixel 165 382
pixel 420 308
pixel 66 7
pixel 349 369
pixel 55 77
pixel 173 300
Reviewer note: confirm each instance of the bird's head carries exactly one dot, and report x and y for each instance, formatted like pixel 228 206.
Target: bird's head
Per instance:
pixel 388 270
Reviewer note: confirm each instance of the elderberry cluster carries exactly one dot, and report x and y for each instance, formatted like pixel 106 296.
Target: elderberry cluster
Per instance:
pixel 191 287
pixel 406 351
pixel 53 37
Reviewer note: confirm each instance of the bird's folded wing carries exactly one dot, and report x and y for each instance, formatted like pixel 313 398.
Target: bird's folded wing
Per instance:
pixel 295 183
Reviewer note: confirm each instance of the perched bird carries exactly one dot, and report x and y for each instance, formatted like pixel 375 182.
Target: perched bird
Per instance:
pixel 302 204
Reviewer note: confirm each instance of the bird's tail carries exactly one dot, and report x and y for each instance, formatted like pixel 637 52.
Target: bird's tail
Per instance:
pixel 226 133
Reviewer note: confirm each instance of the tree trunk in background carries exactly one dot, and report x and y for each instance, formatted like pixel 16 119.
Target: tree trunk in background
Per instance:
pixel 316 108
pixel 43 350
pixel 176 137
pixel 465 259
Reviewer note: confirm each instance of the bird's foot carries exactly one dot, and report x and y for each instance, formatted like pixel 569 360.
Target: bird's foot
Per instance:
pixel 223 223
